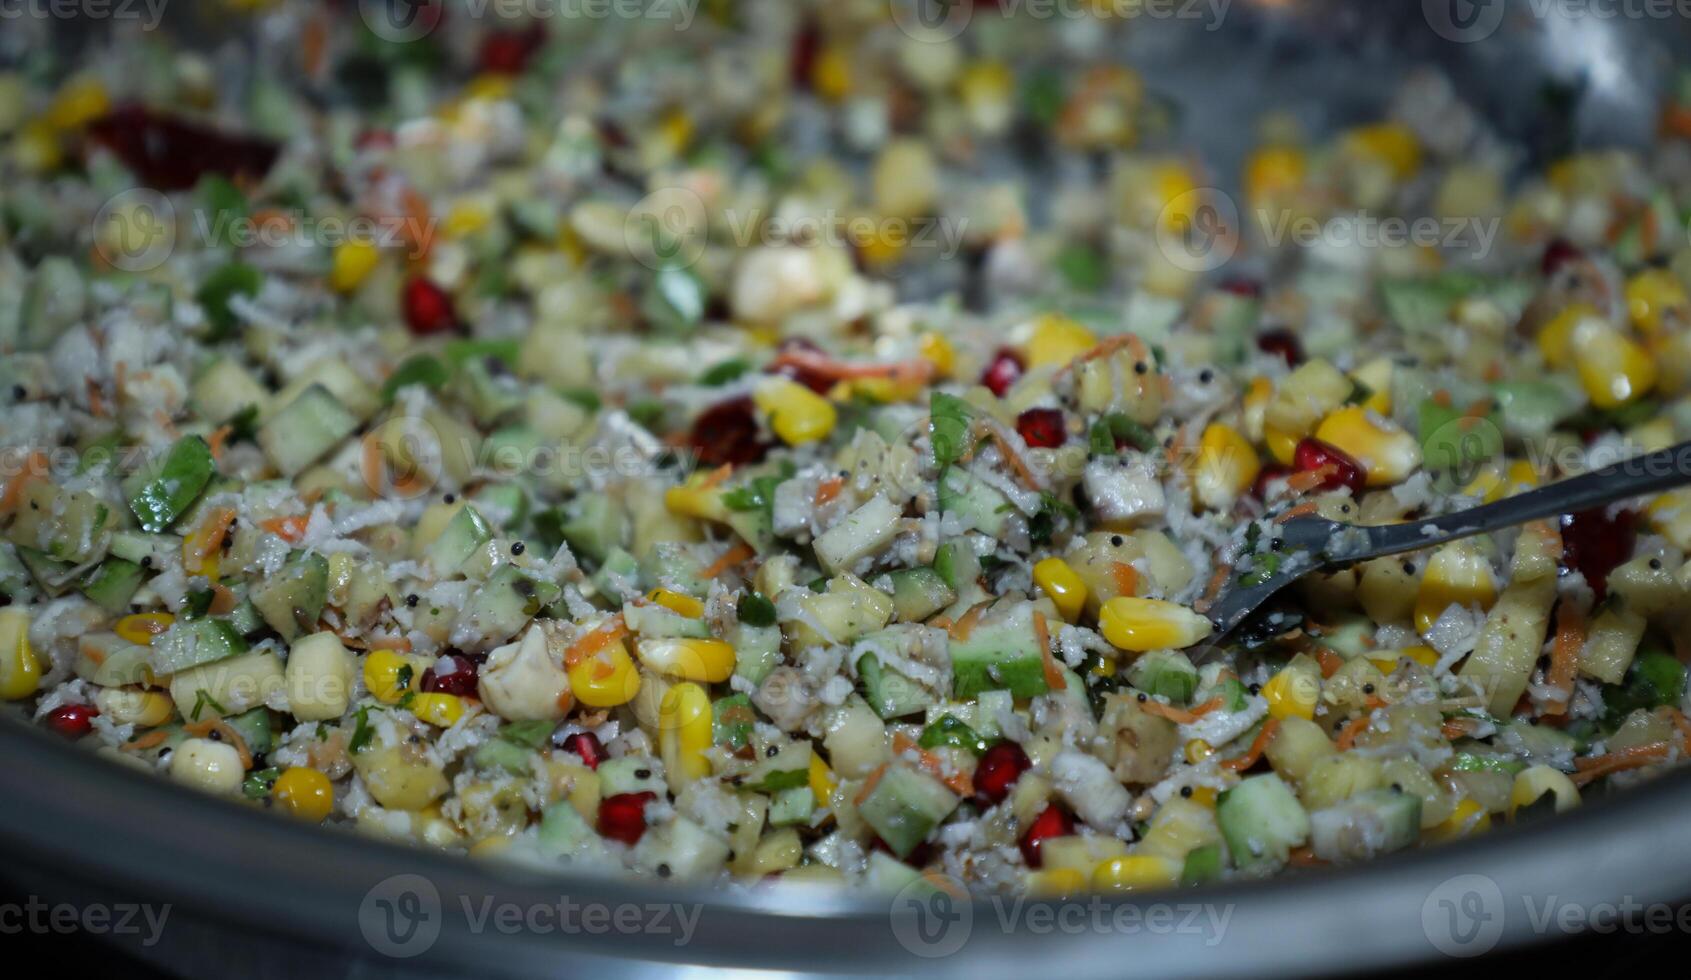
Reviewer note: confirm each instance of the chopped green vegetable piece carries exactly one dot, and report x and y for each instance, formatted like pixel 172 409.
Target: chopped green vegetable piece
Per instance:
pixel 258 784
pixel 756 610
pixel 951 732
pixel 732 721
pixel 362 730
pixel 418 369
pixel 948 421
pixel 214 295
pixel 721 374
pixel 532 734
pixel 161 493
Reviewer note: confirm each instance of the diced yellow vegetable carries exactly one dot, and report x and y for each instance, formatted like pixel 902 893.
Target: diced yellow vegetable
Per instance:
pixel 1376 375
pixel 1555 339
pixel 1273 171
pixel 1457 574
pixel 1531 784
pixel 1066 590
pixel 797 414
pixel 1468 820
pixel 1135 872
pixel 607 679
pixel 1226 467
pixel 208 766
pixel 135 706
pixel 140 628
pixel 678 603
pixel 1304 397
pixel 822 780
pixel 78 103
pixel 936 350
pixel 1056 882
pixel 386 677
pixel 442 710
pixel 1387 453
pixel 304 793
pixel 1613 368
pixel 684 733
pixel 1197 750
pixel 1390 143
pixel 1655 298
pixel 1139 625
pixel 353 264
pixel 707 661
pixel 1293 692
pixel 20 672
pixel 1057 340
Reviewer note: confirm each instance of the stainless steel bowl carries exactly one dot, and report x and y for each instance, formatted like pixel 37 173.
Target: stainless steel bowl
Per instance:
pixel 255 893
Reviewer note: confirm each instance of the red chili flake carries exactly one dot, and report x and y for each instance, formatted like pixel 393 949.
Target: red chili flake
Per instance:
pixel 727 433
pixel 1342 469
pixel 1052 822
pixel 1595 542
pixel 1004 371
pixel 1042 428
pixel 623 816
pixel 168 153
pixel 1000 767
pixel 428 308
pixel 1282 342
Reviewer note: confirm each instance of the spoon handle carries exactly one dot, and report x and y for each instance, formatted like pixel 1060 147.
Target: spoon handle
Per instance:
pixel 1636 477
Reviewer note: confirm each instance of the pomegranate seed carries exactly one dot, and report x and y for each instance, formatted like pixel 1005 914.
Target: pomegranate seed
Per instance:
pixel 623 816
pixel 1282 342
pixel 1004 371
pixel 727 433
pixel 586 745
pixel 1052 822
pixel 807 43
pixel 171 154
pixel 1247 288
pixel 1558 253
pixel 1000 767
pixel 1267 475
pixel 508 52
pixel 428 308
pixel 72 720
pixel 1594 543
pixel 461 680
pixel 1342 470
pixel 1042 428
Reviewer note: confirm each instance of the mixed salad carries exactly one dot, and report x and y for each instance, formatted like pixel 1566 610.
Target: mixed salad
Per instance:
pixel 806 444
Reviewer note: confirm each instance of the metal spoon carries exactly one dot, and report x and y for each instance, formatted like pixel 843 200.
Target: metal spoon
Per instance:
pixel 1310 544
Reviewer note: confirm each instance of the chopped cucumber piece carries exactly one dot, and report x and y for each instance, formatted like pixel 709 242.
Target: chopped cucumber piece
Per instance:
pixel 501 607
pixel 1368 824
pixel 975 501
pixel 792 806
pixel 596 525
pixel 463 536
pixel 113 584
pixel 1165 673
pixel 631 774
pixel 905 806
pixel 291 600
pixel 757 651
pixel 1002 653
pixel 656 621
pixel 732 721
pixel 957 565
pixel 1202 864
pixel 193 643
pixel 889 692
pixel 305 430
pixel 109 660
pixel 863 532
pixel 159 494
pixel 1261 820
pixel 918 593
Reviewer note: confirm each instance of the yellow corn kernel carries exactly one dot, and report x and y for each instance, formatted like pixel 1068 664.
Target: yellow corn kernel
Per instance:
pixel 1306 396
pixel 1056 882
pixel 707 661
pixel 490 86
pixel 676 130
pixel 466 217
pixel 1227 464
pixel 606 679
pixel 304 793
pixel 1392 144
pixel 1487 485
pixel 880 244
pixel 936 350
pixel 1175 187
pixel 79 103
pixel 830 74
pixel 1655 298
pixel 1555 339
pixel 1274 171
pixel 140 628
pixel 822 780
pixel 1387 453
pixel 684 732
pixel 1135 873
pixel 1204 796
pixel 677 602
pixel 797 414
pixel 442 710
pixel 1457 574
pixel 1424 655
pixel 1670 516
pixel 1057 340
pixel 1376 375
pixel 135 706
pixel 20 672
pixel 1254 405
pixel 1613 368
pixel 1521 476
pixel 1197 750
pixel 1532 783
pixel 37 149
pixel 1059 581
pixel 1469 819
pixel 491 847
pixel 1138 625
pixel 389 676
pixel 1293 693
pixel 699 497
pixel 353 264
